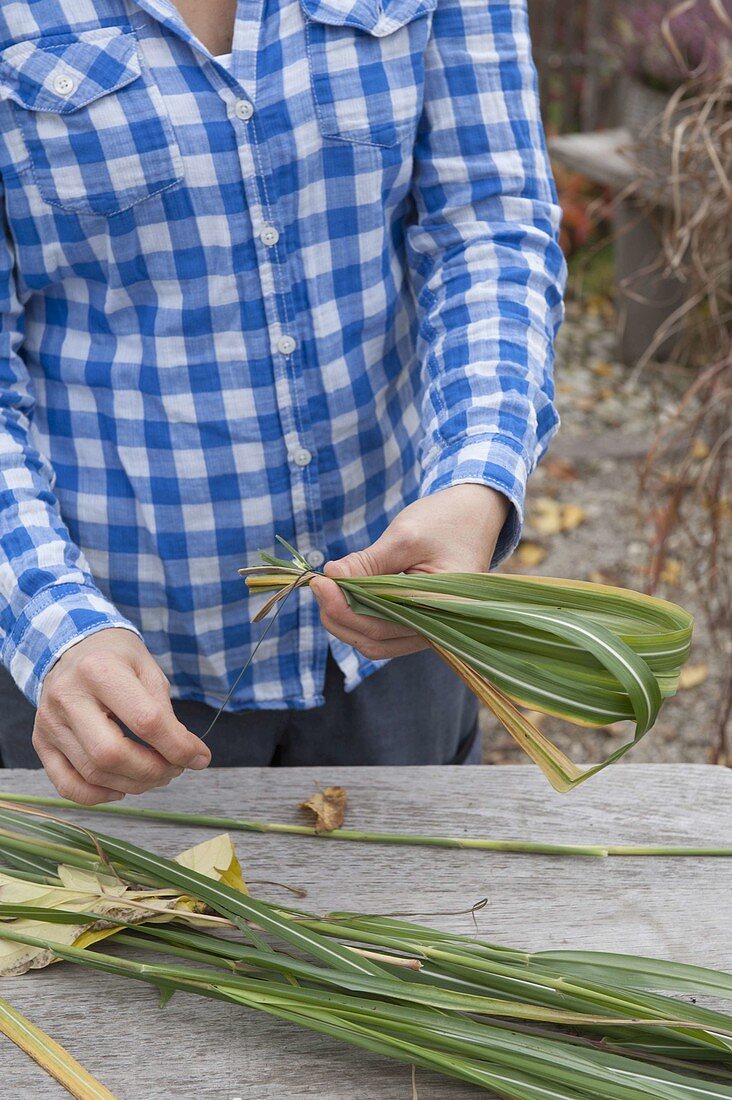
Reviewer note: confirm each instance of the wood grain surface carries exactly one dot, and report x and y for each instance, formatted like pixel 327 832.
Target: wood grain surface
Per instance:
pixel 674 908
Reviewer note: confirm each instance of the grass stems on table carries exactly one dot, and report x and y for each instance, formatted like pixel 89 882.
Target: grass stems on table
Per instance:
pixel 485 844
pixel 525 1025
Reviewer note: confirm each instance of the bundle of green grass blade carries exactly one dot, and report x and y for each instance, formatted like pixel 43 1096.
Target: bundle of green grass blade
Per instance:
pixel 575 1025
pixel 590 653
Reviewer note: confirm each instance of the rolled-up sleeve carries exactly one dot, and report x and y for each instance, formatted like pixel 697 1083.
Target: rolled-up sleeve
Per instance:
pixel 484 258
pixel 48 599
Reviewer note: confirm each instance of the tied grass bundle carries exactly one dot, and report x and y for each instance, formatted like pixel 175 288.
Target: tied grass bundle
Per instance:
pixel 590 653
pixel 575 1025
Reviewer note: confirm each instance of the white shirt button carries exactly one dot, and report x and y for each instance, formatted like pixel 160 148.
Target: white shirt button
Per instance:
pixel 315 558
pixel 243 109
pixel 63 85
pixel 269 235
pixel 302 457
pixel 286 345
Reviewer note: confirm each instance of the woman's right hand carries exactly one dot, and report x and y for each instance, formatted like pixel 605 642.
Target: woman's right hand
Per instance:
pixel 106 676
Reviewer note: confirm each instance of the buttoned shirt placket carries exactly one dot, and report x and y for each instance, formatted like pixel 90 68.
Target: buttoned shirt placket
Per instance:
pixel 237 86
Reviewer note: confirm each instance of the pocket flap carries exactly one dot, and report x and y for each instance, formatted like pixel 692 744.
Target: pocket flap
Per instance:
pixel 378 17
pixel 62 74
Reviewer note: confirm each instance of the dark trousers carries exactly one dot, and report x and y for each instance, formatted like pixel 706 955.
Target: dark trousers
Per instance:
pixel 414 710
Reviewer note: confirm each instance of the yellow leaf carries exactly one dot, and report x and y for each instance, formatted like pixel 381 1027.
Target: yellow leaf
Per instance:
pixel 603 370
pixel 216 859
pixel 572 516
pixel 17 958
pixel 329 807
pixel 88 937
pixel 549 517
pixel 103 894
pixel 545 516
pixel 692 676
pixel 530 553
pixel 699 450
pixel 89 882
pixel 671 572
pixel 233 876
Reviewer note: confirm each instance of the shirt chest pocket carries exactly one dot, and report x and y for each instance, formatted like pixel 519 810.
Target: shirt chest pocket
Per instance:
pixel 367 67
pixel 95 128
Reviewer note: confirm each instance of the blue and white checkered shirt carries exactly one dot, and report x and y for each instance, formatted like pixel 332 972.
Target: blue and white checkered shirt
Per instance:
pixel 285 297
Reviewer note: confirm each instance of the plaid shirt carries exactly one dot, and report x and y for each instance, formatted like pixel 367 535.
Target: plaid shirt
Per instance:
pixel 288 297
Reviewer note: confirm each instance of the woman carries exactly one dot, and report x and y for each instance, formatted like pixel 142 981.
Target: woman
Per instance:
pixel 310 289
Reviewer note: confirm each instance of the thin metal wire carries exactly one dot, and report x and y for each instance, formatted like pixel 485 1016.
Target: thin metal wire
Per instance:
pixel 252 655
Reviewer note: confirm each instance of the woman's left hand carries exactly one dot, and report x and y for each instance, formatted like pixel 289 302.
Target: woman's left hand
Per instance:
pixel 454 530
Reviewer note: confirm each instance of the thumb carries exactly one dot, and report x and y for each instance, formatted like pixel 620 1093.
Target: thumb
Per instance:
pixel 389 554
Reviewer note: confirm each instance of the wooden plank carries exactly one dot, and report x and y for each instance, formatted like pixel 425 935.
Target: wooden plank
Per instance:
pixel 597 156
pixel 196 1048
pixel 606 158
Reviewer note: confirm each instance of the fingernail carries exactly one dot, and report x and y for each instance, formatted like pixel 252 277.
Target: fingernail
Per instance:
pixel 200 762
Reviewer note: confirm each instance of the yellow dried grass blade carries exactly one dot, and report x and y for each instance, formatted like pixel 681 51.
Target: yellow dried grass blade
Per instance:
pixel 558 768
pixel 50 1055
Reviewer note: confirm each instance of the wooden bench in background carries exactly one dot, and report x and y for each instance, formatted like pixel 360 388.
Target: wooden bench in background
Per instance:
pixel 644 297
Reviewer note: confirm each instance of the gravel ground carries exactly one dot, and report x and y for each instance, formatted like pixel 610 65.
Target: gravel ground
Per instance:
pixel 609 416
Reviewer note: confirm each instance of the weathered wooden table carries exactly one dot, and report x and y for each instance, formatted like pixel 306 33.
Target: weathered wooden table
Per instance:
pixel 196 1049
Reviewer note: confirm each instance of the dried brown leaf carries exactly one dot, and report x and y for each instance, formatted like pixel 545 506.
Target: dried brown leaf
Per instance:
pixel 329 807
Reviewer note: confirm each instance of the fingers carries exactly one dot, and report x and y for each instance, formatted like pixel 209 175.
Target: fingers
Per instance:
pixel 453 530
pixel 373 637
pixel 335 609
pixel 151 718
pixel 396 550
pixel 378 651
pixel 101 683
pixel 69 783
pixel 104 757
